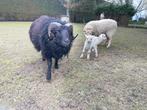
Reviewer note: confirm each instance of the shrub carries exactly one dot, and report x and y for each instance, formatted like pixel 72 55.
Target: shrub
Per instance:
pixel 116 10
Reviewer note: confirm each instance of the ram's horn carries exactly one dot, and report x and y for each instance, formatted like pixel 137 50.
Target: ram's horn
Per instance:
pixel 68 24
pixel 75 36
pixel 70 27
pixel 52 26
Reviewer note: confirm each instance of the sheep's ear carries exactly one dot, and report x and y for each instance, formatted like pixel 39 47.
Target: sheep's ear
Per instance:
pixel 70 26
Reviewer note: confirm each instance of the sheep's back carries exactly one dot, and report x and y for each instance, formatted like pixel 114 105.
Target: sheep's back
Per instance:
pixel 101 26
pixel 39 28
pixel 105 25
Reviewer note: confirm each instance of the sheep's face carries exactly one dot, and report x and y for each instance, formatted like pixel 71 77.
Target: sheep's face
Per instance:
pixel 65 40
pixel 62 37
pixel 88 30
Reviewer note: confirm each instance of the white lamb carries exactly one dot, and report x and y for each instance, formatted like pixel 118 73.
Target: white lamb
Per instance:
pixel 92 42
pixel 97 27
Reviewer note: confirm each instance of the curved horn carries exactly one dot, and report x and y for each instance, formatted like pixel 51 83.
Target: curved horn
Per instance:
pixel 70 27
pixel 68 24
pixel 75 36
pixel 52 26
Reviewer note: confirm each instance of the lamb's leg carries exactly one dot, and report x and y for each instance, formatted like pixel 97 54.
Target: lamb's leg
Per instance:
pixel 96 51
pixel 56 64
pixel 88 54
pixel 83 51
pixel 49 61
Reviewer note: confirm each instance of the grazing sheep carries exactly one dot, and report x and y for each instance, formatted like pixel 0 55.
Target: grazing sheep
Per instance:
pixel 91 43
pixel 98 27
pixel 53 38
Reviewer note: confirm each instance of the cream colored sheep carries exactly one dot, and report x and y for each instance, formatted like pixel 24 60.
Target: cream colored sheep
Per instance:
pixel 97 27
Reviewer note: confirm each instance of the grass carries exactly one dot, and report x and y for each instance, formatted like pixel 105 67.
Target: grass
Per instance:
pixel 114 81
pixel 138 26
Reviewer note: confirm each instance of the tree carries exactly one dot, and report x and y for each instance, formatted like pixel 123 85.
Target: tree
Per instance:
pixel 80 10
pixel 140 5
pixel 121 13
pixel 68 4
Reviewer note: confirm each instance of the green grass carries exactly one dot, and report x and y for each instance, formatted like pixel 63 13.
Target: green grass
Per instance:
pixel 116 80
pixel 138 26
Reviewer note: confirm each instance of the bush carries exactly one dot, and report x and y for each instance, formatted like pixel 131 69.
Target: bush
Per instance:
pixel 121 13
pixel 116 10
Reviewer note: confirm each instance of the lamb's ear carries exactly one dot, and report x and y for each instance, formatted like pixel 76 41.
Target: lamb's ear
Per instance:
pixel 53 26
pixel 86 36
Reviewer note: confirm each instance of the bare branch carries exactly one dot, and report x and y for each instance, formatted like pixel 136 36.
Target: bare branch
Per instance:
pixel 139 5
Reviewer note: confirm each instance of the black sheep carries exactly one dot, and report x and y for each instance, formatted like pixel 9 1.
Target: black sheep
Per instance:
pixel 53 38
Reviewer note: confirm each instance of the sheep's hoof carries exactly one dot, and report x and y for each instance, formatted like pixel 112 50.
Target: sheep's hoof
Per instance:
pixel 96 56
pixel 48 77
pixel 81 56
pixel 43 59
pixel 49 81
pixel 88 58
pixel 108 46
pixel 56 67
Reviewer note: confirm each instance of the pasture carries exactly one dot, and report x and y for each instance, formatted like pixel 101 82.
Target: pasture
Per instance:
pixel 117 80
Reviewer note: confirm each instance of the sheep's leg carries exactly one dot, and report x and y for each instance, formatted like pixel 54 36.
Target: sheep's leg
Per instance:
pixel 109 35
pixel 83 51
pixel 109 42
pixel 43 58
pixel 56 64
pixel 49 61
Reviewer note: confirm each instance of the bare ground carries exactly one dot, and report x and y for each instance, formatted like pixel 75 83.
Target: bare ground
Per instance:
pixel 117 80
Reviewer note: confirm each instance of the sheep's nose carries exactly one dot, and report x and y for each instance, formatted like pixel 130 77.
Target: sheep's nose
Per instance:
pixel 89 42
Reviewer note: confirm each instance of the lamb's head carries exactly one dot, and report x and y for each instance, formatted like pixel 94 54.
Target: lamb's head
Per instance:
pixel 89 38
pixel 61 34
pixel 103 36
